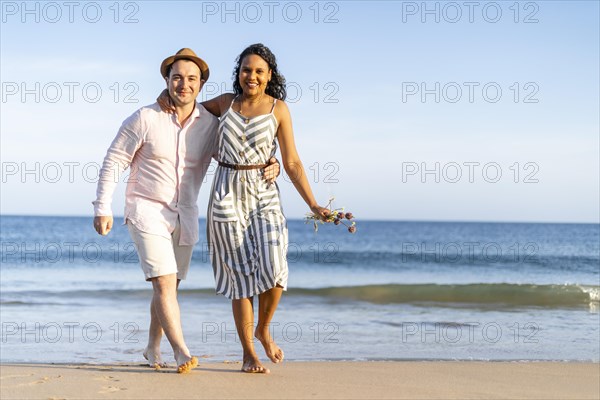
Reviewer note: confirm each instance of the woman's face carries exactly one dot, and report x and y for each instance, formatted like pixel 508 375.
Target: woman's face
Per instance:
pixel 254 75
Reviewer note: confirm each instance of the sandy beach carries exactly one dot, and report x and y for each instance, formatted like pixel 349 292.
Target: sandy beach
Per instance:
pixel 315 380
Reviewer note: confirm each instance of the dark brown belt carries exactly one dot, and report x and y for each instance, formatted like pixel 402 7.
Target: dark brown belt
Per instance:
pixel 242 167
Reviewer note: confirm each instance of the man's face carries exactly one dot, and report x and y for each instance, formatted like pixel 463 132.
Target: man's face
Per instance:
pixel 184 82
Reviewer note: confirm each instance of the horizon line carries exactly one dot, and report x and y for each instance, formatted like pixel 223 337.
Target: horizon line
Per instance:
pixel 359 219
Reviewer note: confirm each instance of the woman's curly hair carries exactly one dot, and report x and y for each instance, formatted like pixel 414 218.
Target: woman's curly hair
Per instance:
pixel 276 86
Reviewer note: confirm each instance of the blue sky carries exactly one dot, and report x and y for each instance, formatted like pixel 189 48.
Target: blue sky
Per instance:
pixel 488 114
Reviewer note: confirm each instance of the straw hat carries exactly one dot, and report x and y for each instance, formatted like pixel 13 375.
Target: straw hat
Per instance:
pixel 185 54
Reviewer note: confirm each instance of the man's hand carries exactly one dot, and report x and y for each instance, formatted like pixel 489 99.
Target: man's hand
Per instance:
pixel 271 172
pixel 103 225
pixel 165 102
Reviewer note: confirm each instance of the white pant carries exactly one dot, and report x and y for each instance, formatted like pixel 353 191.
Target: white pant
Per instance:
pixel 160 255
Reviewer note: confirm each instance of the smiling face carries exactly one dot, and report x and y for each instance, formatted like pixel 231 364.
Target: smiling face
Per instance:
pixel 254 75
pixel 184 82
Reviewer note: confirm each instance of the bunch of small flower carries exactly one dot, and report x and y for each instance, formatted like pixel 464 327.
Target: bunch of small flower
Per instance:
pixel 336 216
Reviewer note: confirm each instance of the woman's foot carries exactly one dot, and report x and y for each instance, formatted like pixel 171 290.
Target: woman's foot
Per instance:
pixel 253 365
pixel 273 351
pixel 154 359
pixel 186 363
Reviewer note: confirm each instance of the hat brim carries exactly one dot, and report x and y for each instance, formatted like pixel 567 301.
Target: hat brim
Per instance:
pixel 196 60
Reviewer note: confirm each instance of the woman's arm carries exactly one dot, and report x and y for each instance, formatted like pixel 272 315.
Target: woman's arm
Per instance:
pixel 218 105
pixel 291 160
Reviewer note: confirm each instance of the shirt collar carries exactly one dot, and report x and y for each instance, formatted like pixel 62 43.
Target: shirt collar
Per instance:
pixel 195 114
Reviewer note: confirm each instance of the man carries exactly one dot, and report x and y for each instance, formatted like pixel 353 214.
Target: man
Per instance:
pixel 168 155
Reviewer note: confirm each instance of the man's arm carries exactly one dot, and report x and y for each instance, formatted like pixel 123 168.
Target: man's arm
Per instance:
pixel 271 172
pixel 118 158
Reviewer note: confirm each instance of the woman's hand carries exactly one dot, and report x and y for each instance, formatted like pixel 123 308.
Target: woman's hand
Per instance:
pixel 165 102
pixel 322 212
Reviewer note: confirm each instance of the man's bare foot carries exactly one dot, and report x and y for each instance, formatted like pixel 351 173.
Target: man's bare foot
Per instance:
pixel 186 364
pixel 273 351
pixel 253 365
pixel 154 359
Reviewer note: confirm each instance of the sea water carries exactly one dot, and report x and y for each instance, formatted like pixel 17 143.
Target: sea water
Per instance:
pixel 392 291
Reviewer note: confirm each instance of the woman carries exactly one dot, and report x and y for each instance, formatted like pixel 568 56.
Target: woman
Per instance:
pixel 246 228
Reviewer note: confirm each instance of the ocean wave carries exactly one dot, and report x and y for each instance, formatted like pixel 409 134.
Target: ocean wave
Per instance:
pixel 512 295
pixel 467 295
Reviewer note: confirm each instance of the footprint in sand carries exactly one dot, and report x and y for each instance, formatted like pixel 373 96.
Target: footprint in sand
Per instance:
pixel 46 379
pixel 107 378
pixel 110 389
pixel 39 381
pixel 43 380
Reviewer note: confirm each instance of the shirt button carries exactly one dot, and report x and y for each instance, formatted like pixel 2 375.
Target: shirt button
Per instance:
pixel 251 237
pixel 244 137
pixel 246 216
pixel 243 199
pixel 241 153
pixel 242 179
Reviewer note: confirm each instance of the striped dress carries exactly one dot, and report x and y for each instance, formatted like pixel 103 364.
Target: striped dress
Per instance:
pixel 246 229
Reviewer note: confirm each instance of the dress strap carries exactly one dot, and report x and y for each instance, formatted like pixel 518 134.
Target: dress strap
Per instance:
pixel 274 102
pixel 234 97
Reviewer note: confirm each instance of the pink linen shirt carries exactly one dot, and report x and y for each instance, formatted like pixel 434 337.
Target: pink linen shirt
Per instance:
pixel 167 166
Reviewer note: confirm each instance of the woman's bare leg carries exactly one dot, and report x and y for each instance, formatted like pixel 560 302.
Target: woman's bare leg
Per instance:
pixel 267 304
pixel 243 314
